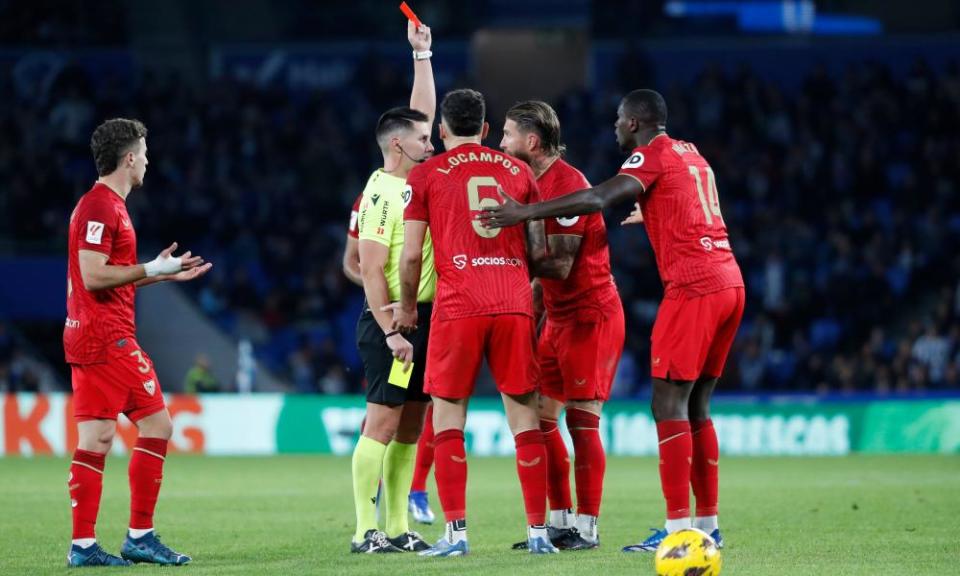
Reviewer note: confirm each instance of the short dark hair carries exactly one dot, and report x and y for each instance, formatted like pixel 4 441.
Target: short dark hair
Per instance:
pixel 394 119
pixel 648 106
pixel 463 111
pixel 112 139
pixel 538 117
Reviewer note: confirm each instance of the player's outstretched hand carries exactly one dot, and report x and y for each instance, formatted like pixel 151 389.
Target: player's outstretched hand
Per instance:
pixel 181 268
pixel 403 320
pixel 187 259
pixel 191 274
pixel 419 37
pixel 635 217
pixel 508 213
pixel 402 350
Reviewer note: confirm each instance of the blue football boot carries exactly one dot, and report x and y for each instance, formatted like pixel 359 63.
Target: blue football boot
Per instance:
pixel 650 544
pixel 148 548
pixel 540 545
pixel 419 508
pixel 717 538
pixel 93 556
pixel 443 548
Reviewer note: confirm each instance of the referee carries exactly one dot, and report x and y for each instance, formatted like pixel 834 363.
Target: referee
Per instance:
pixel 396 402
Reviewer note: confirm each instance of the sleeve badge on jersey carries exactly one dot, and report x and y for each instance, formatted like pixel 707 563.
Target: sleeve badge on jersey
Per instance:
pixel 634 161
pixel 94 232
pixel 568 222
pixel 407 195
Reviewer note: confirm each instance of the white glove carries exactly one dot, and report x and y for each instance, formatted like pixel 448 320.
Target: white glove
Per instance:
pixel 162 265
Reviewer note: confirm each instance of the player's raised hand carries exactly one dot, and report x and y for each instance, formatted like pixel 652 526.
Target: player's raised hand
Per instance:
pixel 402 350
pixel 508 213
pixel 419 36
pixel 635 217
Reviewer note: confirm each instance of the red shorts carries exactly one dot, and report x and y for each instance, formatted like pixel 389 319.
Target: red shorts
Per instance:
pixel 125 383
pixel 457 347
pixel 692 335
pixel 578 359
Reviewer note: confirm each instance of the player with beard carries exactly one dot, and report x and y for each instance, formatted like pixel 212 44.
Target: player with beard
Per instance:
pixel 582 336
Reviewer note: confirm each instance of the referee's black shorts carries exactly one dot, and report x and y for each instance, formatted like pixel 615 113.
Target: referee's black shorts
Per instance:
pixel 378 359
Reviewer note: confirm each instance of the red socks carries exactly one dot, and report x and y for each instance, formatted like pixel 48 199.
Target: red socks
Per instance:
pixel 424 461
pixel 532 470
pixel 558 466
pixel 146 473
pixel 704 473
pixel 676 453
pixel 590 460
pixel 451 474
pixel 451 459
pixel 86 484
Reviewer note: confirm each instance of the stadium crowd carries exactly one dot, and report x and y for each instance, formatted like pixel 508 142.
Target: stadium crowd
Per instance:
pixel 841 200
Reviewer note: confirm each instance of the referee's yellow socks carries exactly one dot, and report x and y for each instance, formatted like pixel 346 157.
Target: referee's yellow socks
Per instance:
pixel 368 456
pixel 398 464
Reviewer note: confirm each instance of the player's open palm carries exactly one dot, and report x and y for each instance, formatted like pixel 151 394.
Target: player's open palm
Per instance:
pixel 419 37
pixel 181 268
pixel 402 349
pixel 191 274
pixel 172 264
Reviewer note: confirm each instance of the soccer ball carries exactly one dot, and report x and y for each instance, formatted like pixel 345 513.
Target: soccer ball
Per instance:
pixel 688 552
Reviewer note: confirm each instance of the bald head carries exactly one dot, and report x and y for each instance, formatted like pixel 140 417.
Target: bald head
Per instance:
pixel 648 107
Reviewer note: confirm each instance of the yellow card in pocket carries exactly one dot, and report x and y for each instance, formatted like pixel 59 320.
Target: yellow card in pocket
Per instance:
pixel 397 376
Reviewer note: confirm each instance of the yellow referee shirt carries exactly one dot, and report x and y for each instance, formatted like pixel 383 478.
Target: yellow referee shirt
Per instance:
pixel 381 220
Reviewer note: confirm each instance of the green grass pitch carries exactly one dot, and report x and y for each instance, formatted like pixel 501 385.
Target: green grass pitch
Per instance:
pixel 893 515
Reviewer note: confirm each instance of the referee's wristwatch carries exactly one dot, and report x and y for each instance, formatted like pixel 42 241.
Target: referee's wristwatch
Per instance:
pixel 425 55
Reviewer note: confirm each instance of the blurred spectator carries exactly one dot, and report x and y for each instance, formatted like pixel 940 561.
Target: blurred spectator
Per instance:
pixel 199 379
pixel 931 351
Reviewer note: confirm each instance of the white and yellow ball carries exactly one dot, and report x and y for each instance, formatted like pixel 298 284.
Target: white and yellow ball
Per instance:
pixel 688 552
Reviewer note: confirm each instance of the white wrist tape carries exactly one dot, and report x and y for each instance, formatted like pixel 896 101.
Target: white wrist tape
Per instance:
pixel 162 265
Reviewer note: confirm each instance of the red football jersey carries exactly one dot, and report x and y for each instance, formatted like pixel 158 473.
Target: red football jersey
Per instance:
pixel 479 271
pixel 681 212
pixel 590 282
pixel 99 222
pixel 353 230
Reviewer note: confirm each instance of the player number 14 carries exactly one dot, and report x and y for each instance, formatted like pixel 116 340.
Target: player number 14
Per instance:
pixel 709 201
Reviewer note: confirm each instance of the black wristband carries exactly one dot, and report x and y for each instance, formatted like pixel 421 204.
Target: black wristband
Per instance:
pixel 389 334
